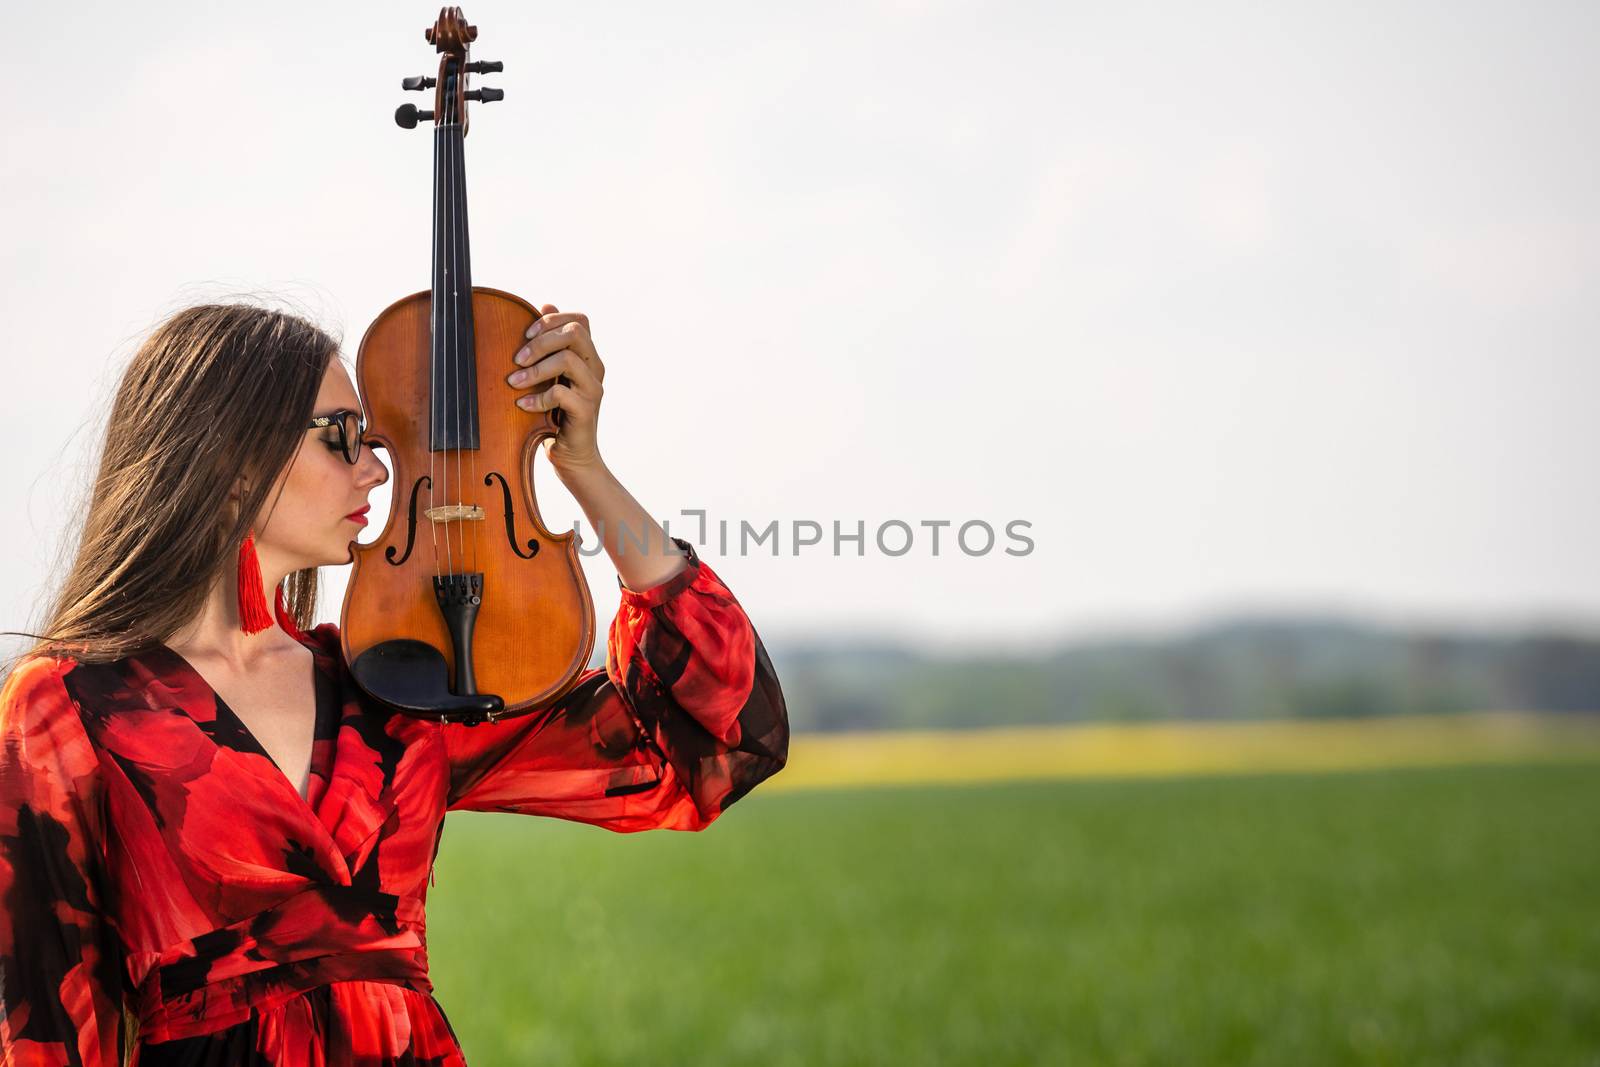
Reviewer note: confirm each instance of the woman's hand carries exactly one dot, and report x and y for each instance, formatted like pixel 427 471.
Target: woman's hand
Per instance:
pixel 559 345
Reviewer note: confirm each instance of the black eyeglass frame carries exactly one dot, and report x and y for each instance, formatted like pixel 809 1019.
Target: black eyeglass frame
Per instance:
pixel 352 453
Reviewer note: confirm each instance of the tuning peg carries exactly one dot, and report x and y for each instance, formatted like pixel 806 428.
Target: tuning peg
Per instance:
pixel 492 66
pixel 408 116
pixel 419 82
pixel 486 96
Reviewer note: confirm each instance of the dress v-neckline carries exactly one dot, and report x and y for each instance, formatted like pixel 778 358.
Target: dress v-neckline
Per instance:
pixel 222 705
pixel 345 805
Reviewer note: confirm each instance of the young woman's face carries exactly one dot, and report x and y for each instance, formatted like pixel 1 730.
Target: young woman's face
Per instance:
pixel 311 526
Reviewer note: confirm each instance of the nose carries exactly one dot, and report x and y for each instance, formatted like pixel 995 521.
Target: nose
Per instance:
pixel 370 469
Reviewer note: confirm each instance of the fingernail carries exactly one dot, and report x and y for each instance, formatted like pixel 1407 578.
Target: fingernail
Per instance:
pixel 522 356
pixel 534 328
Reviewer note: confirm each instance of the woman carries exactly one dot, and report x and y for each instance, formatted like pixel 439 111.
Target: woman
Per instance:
pixel 214 849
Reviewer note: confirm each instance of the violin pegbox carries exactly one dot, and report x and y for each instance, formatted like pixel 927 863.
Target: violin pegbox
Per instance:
pixel 452 37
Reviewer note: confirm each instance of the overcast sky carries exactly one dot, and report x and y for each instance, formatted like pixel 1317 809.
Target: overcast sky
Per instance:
pixel 1237 307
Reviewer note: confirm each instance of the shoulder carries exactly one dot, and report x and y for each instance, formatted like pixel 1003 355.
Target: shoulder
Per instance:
pixel 98 691
pixel 327 649
pixel 323 641
pixel 40 723
pixel 34 686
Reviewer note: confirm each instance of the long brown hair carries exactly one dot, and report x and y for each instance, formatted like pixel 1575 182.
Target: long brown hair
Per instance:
pixel 215 393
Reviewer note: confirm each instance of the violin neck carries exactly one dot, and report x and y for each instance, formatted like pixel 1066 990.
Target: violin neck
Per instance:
pixel 454 363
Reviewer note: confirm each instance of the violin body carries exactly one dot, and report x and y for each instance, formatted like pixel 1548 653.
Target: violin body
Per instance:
pixel 465 607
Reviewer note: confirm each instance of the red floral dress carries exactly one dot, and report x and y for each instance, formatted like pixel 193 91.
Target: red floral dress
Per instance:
pixel 153 856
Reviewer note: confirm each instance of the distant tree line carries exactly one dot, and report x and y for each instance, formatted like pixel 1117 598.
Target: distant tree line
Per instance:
pixel 1235 669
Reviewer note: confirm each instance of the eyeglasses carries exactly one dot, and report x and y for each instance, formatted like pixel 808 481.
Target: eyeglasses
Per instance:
pixel 352 428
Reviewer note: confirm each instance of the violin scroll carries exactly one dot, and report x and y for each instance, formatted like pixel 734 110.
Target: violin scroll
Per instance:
pixel 451 32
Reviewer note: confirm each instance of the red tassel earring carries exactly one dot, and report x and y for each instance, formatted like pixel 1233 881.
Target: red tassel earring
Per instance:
pixel 253 614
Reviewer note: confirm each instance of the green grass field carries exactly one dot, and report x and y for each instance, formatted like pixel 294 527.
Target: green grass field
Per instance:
pixel 1424 916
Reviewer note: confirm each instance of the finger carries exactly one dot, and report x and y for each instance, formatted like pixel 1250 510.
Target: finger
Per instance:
pixel 551 317
pixel 577 339
pixel 583 344
pixel 557 396
pixel 550 309
pixel 552 339
pixel 548 324
pixel 565 362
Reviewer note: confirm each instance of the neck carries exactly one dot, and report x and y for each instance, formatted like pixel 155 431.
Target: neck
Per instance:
pixel 216 633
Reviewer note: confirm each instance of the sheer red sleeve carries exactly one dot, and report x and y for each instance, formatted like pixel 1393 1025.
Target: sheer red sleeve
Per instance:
pixel 686 718
pixel 60 962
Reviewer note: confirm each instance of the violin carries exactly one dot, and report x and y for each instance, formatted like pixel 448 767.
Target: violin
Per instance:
pixel 466 608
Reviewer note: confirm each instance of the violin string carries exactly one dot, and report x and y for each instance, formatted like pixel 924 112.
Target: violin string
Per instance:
pixel 447 347
pixel 466 256
pixel 451 346
pixel 436 344
pixel 453 312
pixel 458 197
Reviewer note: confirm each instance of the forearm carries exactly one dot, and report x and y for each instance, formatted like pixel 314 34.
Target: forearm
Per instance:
pixel 636 543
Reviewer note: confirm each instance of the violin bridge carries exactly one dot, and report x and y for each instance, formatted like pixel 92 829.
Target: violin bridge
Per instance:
pixel 455 513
